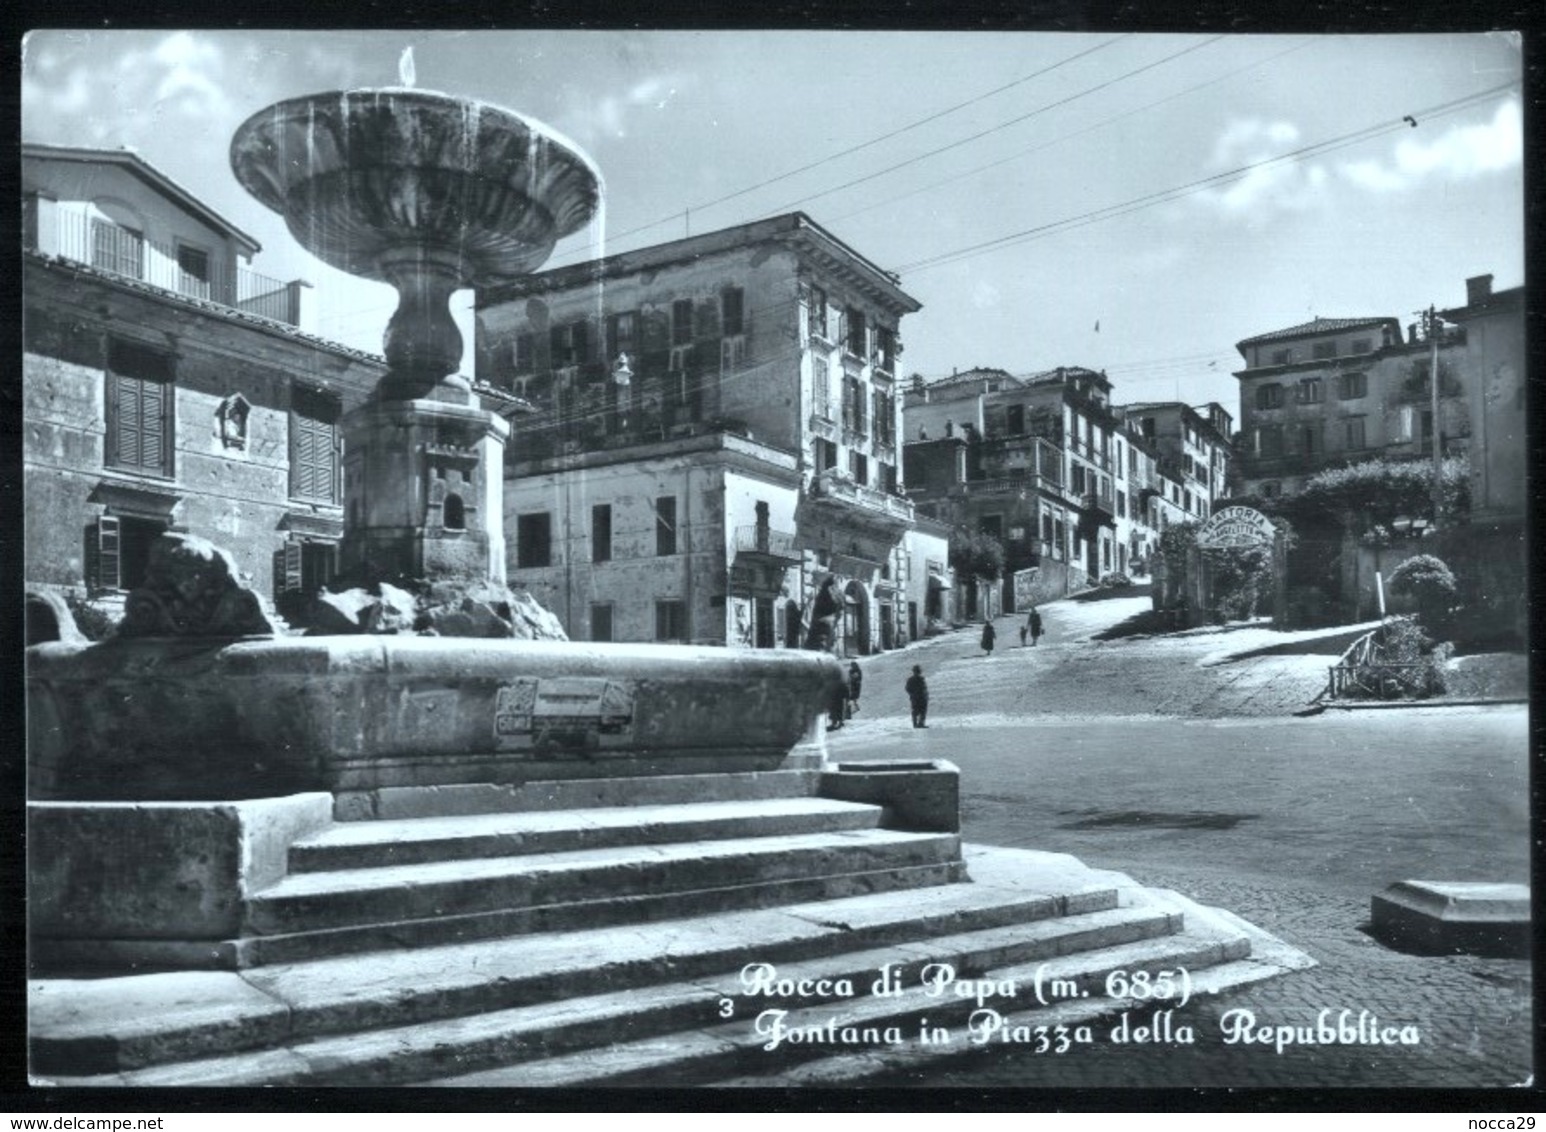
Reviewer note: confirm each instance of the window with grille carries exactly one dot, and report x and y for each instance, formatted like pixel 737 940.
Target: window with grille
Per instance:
pixel 533 540
pixel 665 525
pixel 140 403
pixel 314 446
pixel 117 249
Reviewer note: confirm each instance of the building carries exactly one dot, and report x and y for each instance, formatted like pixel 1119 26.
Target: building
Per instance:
pixel 714 455
pixel 1332 392
pixel 1044 463
pixel 1492 552
pixel 1194 446
pixel 165 385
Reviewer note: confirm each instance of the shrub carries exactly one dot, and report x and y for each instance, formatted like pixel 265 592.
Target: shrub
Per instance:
pixel 1429 582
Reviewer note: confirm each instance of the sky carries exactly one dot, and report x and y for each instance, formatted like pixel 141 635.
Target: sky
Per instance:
pixel 1133 203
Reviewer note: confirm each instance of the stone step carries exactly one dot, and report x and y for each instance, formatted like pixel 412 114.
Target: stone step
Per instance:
pixel 468 799
pixel 357 897
pixel 403 1054
pixel 1268 958
pixel 103 1025
pixel 573 915
pixel 736 1051
pixel 411 841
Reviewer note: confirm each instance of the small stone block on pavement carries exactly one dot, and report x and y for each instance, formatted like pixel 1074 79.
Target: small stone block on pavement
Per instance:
pixel 1445 917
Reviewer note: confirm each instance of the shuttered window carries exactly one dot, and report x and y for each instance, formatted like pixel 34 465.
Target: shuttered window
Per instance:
pixel 139 409
pixel 313 446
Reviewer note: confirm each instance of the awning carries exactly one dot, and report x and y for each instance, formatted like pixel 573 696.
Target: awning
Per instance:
pixel 938 582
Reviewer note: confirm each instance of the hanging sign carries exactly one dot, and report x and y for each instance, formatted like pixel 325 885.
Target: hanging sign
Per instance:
pixel 1236 527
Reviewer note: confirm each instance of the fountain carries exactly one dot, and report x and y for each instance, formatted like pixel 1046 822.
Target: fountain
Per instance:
pixel 488 824
pixel 193 704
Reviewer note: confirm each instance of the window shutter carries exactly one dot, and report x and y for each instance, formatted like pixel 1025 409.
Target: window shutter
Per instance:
pixel 153 400
pixel 103 571
pixel 287 569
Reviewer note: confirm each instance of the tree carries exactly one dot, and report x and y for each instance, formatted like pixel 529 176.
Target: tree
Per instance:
pixel 977 554
pixel 1370 497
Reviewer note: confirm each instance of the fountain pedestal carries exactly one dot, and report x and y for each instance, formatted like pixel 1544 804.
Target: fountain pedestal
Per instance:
pixel 424 481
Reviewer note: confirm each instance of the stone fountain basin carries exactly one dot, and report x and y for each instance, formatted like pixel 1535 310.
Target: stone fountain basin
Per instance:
pixel 180 720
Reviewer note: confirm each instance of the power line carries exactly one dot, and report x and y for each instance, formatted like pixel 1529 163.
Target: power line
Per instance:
pixel 871 142
pixel 995 129
pixel 1077 133
pixel 1149 199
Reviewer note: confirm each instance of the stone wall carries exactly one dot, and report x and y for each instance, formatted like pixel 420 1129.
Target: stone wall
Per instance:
pixel 238 496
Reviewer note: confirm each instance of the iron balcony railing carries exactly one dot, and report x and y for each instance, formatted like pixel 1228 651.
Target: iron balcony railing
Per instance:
pixel 753 539
pixel 181 269
pixel 830 484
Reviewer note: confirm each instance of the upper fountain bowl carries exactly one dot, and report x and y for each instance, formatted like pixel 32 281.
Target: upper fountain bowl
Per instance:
pixel 362 176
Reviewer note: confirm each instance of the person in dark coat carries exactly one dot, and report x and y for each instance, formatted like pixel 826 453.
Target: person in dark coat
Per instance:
pixel 855 686
pixel 1033 623
pixel 987 637
pixel 918 695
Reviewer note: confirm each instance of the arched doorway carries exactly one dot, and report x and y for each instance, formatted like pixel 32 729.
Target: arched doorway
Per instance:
pixel 856 620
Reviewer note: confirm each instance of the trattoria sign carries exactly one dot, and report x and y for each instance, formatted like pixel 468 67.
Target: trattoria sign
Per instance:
pixel 1236 527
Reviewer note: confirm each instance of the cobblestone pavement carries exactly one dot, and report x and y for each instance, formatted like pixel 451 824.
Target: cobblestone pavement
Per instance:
pixel 1070 674
pixel 1151 757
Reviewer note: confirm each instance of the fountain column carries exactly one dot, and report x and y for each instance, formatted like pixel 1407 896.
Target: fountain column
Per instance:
pixel 431 194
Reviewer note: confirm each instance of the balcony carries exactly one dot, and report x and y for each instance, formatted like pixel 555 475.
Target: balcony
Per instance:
pixel 772 546
pixel 854 504
pixel 178 269
pixel 1014 485
pixel 1097 508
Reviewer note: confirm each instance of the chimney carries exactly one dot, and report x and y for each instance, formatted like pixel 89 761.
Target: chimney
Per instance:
pixel 1478 289
pixel 1411 333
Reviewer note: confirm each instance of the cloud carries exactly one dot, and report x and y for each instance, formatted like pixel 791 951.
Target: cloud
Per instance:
pixel 106 88
pixel 1283 186
pixel 1459 153
pixel 613 113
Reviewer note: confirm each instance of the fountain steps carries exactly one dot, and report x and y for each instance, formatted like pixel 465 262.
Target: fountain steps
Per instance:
pixel 410 1015
pixel 391 894
pixel 451 969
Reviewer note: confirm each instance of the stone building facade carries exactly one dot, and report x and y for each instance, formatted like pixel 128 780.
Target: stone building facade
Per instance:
pixel 1046 464
pixel 1341 391
pixel 158 393
pixel 728 404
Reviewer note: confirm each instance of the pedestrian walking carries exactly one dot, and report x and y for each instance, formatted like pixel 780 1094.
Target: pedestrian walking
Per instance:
pixel 837 706
pixel 855 686
pixel 918 696
pixel 1033 623
pixel 987 637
